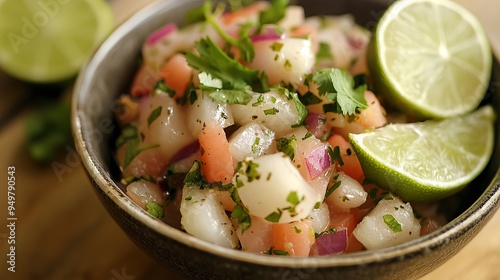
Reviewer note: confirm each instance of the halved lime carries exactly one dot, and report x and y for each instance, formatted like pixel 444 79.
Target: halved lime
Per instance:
pixel 430 58
pixel 47 41
pixel 428 160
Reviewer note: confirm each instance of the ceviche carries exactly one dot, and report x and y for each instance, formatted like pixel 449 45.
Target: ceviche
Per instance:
pixel 235 130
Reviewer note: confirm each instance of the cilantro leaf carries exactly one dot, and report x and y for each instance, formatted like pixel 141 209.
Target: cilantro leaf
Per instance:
pixel 244 44
pixel 274 13
pixel 231 96
pixel 339 87
pixel 213 60
pixel 213 87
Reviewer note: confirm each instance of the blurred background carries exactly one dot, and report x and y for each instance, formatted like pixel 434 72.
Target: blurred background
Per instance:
pixel 63 232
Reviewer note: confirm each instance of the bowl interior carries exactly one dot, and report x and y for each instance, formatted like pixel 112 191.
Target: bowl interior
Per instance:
pixel 110 72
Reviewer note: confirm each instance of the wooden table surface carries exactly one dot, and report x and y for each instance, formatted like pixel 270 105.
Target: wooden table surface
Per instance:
pixel 63 232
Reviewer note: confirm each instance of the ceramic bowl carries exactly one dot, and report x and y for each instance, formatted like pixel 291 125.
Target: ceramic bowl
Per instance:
pixel 109 73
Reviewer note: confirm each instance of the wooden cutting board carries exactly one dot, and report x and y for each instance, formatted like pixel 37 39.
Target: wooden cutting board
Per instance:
pixel 63 232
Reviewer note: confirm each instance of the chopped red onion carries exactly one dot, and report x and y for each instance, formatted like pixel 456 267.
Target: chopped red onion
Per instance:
pixel 317 161
pixel 332 243
pixel 159 34
pixel 316 124
pixel 269 34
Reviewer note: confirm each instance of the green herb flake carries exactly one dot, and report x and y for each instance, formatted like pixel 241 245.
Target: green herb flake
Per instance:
pixel 255 145
pixel 271 111
pixel 324 52
pixel 330 190
pixel 335 155
pixel 274 217
pixel 287 145
pixel 154 115
pixel 274 13
pixel 241 214
pixel 162 87
pixel 260 100
pixel 194 178
pixel 188 198
pixel 276 46
pixel 296 229
pixel 309 98
pixel 392 223
pixel 307 135
pixel 155 210
pixel 280 253
pixel 230 96
pixel 133 150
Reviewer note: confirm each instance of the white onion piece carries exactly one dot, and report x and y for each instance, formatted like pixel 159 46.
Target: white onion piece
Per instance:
pixel 350 193
pixel 205 110
pixel 272 109
pixel 143 192
pixel 204 217
pixel 251 140
pixel 276 180
pixel 286 60
pixel 258 238
pixel 320 218
pixel 374 233
pixel 168 129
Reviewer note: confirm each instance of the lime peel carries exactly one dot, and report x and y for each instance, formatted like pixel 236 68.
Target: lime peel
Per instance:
pixel 429 160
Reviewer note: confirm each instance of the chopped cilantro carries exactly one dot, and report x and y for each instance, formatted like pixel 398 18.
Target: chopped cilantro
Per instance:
pixel 301 109
pixel 249 169
pixel 287 145
pixel 274 13
pixel 339 88
pixel 194 178
pixel 154 115
pixel 276 46
pixel 307 135
pixel 274 217
pixel 161 86
pixel 243 44
pixel 212 60
pixel 155 210
pixel 241 214
pixel 271 111
pixel 309 99
pixel 324 52
pixel 330 190
pixel 392 223
pixel 259 101
pixel 255 145
pixel 130 137
pixel 335 155
pixel 231 96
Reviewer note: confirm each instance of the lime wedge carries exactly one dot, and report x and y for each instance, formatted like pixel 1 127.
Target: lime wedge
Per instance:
pixel 430 58
pixel 428 160
pixel 47 41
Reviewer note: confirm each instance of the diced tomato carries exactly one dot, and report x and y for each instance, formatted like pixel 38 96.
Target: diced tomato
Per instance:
pixel 176 73
pixel 294 238
pixel 215 155
pixel 351 166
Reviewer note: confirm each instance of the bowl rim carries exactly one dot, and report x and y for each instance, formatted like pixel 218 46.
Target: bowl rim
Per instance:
pixel 481 209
